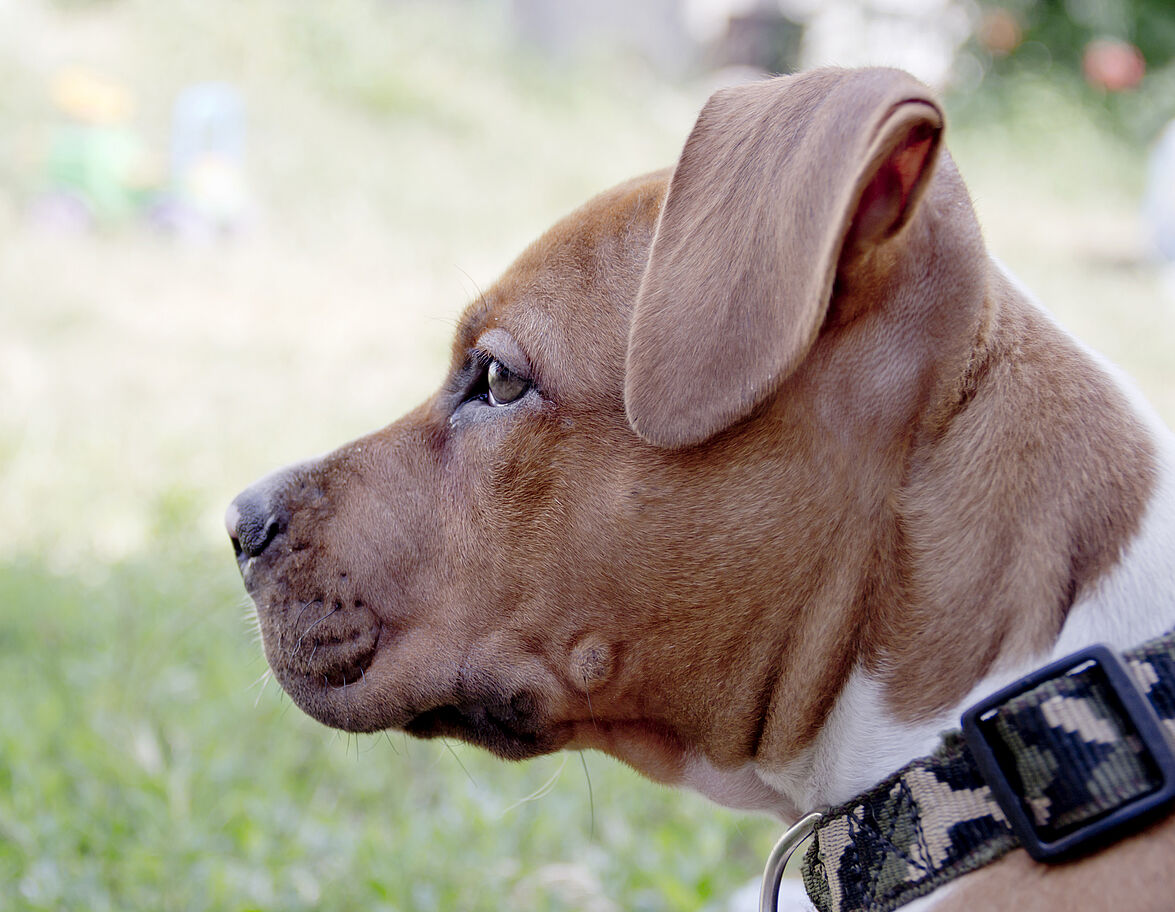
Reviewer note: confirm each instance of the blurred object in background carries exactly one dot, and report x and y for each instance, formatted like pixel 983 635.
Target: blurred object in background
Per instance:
pixel 1159 204
pixel 783 36
pixel 208 195
pixel 1158 209
pixel 1118 55
pixel 652 30
pixel 1106 47
pixel 763 36
pixel 1113 66
pixel 97 171
pixel 999 32
pixel 677 37
pixel 921 36
pixel 91 98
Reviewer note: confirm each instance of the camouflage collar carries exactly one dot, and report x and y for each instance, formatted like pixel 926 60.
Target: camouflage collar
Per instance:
pixel 1065 760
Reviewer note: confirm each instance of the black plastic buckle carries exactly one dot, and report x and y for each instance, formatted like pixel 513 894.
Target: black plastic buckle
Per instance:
pixel 1135 711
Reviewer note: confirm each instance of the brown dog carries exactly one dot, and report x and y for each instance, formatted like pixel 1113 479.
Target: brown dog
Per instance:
pixel 752 475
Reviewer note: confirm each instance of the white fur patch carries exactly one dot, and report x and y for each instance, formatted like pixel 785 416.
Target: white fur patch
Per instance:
pixel 860 744
pixel 739 788
pixel 1136 600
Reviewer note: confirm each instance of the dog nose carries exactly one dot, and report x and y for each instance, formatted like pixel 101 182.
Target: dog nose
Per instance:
pixel 252 522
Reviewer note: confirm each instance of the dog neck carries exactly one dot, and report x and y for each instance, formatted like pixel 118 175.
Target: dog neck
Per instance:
pixel 871 732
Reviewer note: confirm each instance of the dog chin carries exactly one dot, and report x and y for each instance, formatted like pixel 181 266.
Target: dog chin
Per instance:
pixel 335 701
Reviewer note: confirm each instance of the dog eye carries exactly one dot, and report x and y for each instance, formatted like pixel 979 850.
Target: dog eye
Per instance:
pixel 503 385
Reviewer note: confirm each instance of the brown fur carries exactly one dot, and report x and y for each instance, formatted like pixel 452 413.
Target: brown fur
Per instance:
pixel 786 419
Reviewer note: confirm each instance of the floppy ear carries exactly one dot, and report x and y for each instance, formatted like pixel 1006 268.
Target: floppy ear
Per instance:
pixel 775 180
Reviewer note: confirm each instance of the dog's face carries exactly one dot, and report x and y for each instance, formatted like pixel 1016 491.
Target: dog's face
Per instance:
pixel 613 525
pixel 511 563
pixel 458 573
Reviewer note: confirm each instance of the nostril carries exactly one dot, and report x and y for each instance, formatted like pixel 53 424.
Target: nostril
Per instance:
pixel 251 526
pixel 254 536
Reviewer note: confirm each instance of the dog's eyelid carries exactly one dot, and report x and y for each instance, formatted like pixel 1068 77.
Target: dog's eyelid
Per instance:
pixel 499 345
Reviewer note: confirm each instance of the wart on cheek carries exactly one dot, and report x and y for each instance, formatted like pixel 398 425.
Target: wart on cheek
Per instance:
pixel 590 662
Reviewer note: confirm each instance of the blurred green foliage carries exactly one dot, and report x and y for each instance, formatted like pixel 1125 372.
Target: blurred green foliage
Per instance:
pixel 1067 26
pixel 1053 38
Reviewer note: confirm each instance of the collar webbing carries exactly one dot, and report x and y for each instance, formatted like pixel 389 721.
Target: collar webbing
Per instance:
pixel 1072 759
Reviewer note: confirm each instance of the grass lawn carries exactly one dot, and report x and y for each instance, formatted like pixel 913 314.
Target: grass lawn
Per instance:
pixel 400 156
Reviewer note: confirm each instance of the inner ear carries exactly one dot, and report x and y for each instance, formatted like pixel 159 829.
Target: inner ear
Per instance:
pixel 903 162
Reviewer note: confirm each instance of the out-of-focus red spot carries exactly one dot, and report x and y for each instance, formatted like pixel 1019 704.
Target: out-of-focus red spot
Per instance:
pixel 1113 65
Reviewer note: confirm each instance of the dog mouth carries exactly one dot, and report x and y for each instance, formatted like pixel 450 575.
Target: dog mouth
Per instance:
pixel 354 699
pixel 512 737
pixel 346 668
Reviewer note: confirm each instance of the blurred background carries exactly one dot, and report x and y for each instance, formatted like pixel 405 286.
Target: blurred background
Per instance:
pixel 234 233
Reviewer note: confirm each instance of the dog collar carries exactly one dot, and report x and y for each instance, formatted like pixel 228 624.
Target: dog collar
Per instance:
pixel 1063 761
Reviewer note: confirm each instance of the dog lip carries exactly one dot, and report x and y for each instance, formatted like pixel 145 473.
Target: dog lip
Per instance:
pixel 510 738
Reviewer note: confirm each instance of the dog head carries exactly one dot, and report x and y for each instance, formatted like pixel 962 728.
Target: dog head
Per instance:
pixel 644 509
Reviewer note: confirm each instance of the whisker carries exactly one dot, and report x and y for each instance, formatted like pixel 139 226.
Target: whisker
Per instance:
pixel 302 611
pixel 265 679
pixel 541 792
pixel 588 693
pixel 591 796
pixel 260 678
pixel 481 298
pixel 298 620
pixel 308 629
pixel 473 782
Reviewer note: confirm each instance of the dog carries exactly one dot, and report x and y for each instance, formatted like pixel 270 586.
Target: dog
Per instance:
pixel 753 473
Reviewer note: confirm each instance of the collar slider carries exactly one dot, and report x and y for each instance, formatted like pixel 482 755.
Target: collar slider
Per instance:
pixel 1087 712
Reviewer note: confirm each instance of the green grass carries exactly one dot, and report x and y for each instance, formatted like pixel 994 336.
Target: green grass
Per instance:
pixel 400 155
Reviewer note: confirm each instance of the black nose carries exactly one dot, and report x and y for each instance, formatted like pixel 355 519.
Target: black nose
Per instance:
pixel 252 521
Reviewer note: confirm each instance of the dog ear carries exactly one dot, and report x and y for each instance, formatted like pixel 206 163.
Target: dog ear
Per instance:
pixel 777 180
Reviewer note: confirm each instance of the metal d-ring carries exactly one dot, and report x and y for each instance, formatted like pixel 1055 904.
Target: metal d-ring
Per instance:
pixel 777 860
